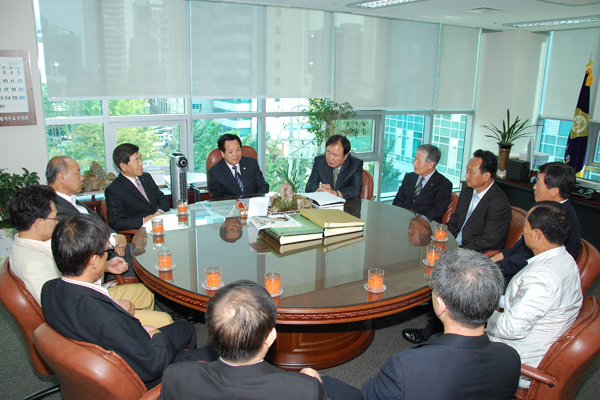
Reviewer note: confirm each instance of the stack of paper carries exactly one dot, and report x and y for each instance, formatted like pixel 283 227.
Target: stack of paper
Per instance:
pixel 325 200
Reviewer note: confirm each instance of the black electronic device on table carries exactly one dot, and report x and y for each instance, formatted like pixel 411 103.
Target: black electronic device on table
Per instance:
pixel 517 170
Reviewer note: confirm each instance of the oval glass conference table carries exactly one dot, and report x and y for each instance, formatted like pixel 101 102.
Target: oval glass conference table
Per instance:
pixel 324 313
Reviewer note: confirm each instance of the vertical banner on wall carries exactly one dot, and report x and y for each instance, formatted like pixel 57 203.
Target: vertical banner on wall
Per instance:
pixel 577 142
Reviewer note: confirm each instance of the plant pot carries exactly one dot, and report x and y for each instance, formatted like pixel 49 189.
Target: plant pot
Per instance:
pixel 6 242
pixel 503 154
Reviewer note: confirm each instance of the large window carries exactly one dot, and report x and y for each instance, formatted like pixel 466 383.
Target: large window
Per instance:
pixel 82 142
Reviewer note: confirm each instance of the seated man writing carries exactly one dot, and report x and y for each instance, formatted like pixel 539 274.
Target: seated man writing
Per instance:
pixel 461 363
pixel 133 198
pixel 425 191
pixel 543 300
pixel 240 320
pixel 235 175
pixel 555 182
pixel 81 310
pixel 34 216
pixel 337 172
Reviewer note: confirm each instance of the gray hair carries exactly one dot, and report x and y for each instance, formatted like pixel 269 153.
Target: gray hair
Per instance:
pixel 56 165
pixel 470 285
pixel 433 153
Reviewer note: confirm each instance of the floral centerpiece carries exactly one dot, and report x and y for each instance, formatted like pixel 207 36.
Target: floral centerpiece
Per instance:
pixel 286 200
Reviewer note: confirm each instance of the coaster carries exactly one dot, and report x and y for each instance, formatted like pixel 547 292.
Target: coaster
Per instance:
pixel 204 286
pixel 277 294
pixel 173 265
pixel 427 262
pixel 439 240
pixel 156 234
pixel 374 290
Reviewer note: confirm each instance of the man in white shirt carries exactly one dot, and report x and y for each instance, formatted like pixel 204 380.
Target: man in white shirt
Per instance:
pixel 543 300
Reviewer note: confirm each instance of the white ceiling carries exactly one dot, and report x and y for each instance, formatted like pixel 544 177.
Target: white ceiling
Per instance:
pixel 452 11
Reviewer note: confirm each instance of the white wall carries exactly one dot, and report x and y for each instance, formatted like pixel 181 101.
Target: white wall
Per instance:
pixel 510 74
pixel 23 146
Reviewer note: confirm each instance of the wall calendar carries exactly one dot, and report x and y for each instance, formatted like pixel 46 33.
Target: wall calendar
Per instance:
pixel 17 105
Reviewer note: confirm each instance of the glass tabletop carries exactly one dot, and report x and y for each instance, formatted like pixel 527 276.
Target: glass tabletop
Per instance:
pixel 329 274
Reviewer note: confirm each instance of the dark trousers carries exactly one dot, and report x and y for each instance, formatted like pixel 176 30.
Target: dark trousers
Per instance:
pixel 338 390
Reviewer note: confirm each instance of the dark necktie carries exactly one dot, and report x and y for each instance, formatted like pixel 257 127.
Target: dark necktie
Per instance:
pixel 238 178
pixel 419 186
pixel 335 175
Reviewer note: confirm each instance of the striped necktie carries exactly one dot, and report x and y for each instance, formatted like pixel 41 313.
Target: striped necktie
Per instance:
pixel 335 176
pixel 238 178
pixel 419 186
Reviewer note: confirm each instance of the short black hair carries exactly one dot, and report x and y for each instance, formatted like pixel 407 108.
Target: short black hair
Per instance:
pixel 339 138
pixel 559 175
pixel 75 240
pixel 470 285
pixel 225 138
pixel 28 204
pixel 489 162
pixel 123 152
pixel 56 166
pixel 238 319
pixel 553 219
pixel 433 153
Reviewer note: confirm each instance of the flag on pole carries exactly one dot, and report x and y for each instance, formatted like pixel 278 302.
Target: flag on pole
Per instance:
pixel 577 142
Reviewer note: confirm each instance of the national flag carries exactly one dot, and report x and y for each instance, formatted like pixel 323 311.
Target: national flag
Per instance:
pixel 577 142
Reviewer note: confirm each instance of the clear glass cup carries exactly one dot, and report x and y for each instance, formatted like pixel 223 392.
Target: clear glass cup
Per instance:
pixel 157 226
pixel 441 232
pixel 182 206
pixel 433 253
pixel 375 281
pixel 273 282
pixel 212 276
pixel 165 259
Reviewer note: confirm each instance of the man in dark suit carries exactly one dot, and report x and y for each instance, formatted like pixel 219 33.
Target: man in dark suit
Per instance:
pixel 133 198
pixel 337 172
pixel 483 213
pixel 425 191
pixel 461 363
pixel 480 222
pixel 235 175
pixel 555 182
pixel 240 320
pixel 81 310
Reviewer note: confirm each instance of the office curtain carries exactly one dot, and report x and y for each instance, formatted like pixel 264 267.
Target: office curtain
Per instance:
pixel 248 51
pixel 459 48
pixel 96 49
pixel 570 51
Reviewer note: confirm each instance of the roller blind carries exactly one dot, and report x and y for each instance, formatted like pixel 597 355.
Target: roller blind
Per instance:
pixel 459 48
pixel 570 51
pixel 115 48
pixel 248 51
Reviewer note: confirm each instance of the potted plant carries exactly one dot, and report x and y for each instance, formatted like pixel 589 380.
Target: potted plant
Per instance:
pixel 9 186
pixel 507 136
pixel 328 118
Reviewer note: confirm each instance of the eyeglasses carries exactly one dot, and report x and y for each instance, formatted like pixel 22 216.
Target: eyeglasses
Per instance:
pixel 110 248
pixel 56 219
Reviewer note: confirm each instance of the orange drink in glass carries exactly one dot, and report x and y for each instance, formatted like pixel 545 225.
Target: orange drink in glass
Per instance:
pixel 433 253
pixel 157 226
pixel 158 239
pixel 165 259
pixel 182 206
pixel 441 232
pixel 375 281
pixel 213 277
pixel 273 282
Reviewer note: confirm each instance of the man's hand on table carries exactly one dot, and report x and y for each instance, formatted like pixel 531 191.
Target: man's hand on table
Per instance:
pixel 156 214
pixel 120 244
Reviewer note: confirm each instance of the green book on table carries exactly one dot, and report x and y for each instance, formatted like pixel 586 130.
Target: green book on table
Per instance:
pixel 286 249
pixel 293 234
pixel 331 218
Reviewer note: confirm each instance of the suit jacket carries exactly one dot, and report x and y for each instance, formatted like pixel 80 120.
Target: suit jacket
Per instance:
pixel 515 259
pixel 127 207
pixel 33 264
pixel 487 227
pixel 349 180
pixel 434 199
pixel 448 367
pixel 83 314
pixel 64 208
pixel 222 183
pixel 217 380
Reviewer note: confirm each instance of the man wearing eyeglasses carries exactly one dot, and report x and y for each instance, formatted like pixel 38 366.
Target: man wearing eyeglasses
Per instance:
pixel 79 309
pixel 34 216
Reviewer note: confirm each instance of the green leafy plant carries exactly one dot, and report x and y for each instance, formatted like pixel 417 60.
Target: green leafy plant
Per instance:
pixel 328 118
pixel 509 132
pixel 9 186
pixel 294 174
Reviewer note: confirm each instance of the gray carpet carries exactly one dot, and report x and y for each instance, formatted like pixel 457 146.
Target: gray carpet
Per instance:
pixel 18 379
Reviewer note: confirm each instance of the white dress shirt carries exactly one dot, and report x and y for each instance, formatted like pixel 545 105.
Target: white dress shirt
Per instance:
pixel 542 301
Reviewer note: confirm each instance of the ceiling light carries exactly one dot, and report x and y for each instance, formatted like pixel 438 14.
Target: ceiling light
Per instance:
pixel 380 3
pixel 555 22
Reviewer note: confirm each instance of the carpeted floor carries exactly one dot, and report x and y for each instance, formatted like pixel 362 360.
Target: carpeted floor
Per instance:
pixel 18 379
